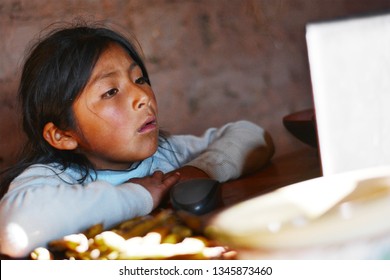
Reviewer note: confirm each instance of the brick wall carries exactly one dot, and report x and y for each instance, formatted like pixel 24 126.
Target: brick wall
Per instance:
pixel 210 61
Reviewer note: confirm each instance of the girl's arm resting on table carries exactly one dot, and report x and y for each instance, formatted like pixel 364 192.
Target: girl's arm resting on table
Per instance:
pixel 40 207
pixel 229 152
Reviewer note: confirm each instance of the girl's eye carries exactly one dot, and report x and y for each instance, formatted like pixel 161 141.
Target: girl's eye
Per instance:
pixel 110 93
pixel 142 80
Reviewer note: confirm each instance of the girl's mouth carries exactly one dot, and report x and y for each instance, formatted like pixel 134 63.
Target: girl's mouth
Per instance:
pixel 149 125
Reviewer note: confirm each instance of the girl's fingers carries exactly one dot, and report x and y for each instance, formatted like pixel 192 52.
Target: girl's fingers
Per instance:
pixel 158 175
pixel 171 179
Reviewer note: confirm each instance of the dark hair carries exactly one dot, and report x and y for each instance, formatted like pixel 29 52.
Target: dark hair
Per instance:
pixel 55 72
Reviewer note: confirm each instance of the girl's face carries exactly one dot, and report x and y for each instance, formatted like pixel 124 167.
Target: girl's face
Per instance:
pixel 116 113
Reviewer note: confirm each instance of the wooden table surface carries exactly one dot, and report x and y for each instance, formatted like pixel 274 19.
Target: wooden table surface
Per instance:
pixel 283 170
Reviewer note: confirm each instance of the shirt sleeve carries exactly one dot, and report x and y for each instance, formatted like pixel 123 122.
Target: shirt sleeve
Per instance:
pixel 226 153
pixel 41 206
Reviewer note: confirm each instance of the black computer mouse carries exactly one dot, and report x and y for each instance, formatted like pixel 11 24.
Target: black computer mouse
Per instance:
pixel 197 196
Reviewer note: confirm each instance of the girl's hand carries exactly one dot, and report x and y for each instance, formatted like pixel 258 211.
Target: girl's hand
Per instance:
pixel 157 184
pixel 189 172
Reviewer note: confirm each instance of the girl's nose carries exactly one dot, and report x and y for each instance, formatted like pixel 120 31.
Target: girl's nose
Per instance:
pixel 141 99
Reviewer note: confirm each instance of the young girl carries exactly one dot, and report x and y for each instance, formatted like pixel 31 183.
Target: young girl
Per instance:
pixel 95 153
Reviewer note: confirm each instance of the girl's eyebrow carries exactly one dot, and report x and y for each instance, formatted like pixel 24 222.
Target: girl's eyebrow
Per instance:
pixel 104 75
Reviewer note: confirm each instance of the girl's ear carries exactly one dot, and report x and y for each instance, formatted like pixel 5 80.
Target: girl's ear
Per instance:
pixel 59 139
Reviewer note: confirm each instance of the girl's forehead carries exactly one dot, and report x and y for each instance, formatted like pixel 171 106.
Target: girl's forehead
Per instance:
pixel 113 57
pixel 113 60
pixel 114 50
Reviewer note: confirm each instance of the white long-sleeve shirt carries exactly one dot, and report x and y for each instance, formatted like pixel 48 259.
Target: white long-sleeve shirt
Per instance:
pixel 45 203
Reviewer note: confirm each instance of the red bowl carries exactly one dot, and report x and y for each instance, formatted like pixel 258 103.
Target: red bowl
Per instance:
pixel 302 125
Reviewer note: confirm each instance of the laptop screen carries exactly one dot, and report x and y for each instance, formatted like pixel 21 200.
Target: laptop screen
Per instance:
pixel 350 72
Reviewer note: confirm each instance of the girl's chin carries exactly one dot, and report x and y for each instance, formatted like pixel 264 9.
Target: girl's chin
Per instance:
pixel 148 151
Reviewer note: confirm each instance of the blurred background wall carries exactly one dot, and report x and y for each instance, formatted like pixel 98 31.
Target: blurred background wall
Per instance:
pixel 210 61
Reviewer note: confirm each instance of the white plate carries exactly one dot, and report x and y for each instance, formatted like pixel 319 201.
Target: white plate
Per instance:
pixel 319 212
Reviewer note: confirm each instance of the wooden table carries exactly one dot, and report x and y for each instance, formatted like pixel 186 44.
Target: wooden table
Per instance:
pixel 300 165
